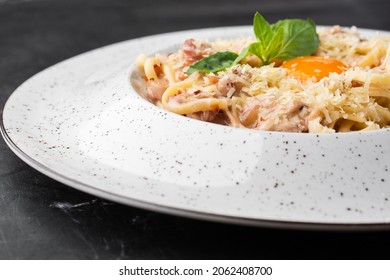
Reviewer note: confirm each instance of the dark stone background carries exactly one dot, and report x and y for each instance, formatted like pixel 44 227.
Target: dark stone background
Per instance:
pixel 36 34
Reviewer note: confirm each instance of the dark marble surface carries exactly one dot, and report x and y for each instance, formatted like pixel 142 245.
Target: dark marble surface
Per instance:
pixel 43 219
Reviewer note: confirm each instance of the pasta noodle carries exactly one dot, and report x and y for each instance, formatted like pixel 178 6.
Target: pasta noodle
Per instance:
pixel 277 97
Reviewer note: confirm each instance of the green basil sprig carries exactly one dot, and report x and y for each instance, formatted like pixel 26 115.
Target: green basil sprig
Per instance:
pixel 213 63
pixel 284 40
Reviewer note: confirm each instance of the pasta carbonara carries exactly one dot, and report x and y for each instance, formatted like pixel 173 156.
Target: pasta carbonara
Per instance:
pixel 344 86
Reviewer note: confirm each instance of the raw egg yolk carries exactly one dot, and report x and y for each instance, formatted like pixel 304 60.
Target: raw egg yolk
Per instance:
pixel 306 67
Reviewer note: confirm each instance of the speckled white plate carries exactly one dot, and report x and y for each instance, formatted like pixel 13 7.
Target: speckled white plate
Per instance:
pixel 81 123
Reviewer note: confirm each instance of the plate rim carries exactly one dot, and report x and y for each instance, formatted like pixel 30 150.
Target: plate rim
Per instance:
pixel 171 210
pixel 175 211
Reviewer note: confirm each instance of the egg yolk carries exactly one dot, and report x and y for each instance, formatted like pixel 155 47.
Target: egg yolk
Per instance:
pixel 306 67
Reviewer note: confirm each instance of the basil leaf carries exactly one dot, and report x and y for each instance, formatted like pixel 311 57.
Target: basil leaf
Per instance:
pixel 299 39
pixel 274 47
pixel 262 29
pixel 254 48
pixel 284 40
pixel 213 63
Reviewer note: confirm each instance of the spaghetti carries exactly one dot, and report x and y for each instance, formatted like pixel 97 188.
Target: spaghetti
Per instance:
pixel 350 95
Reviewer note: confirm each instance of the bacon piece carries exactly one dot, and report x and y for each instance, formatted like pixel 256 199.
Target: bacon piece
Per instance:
pixel 266 113
pixel 155 89
pixel 193 52
pixel 224 85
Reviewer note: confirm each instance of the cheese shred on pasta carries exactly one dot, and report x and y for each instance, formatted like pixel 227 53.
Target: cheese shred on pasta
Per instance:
pixel 269 97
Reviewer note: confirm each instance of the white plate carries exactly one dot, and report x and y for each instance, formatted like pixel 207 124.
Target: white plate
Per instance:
pixel 81 123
